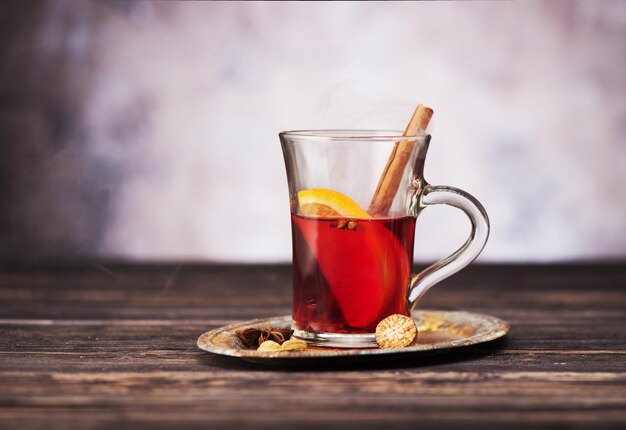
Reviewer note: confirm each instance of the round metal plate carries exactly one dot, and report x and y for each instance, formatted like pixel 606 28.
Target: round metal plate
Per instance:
pixel 438 331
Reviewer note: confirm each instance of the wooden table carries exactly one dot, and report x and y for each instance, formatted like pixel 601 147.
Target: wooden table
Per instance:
pixel 114 346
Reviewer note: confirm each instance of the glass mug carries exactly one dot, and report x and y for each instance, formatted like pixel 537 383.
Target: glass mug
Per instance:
pixel 351 271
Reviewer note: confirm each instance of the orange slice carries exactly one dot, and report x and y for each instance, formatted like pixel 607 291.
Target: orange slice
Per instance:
pixel 325 203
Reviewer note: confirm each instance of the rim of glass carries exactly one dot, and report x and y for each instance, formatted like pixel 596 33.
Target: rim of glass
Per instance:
pixel 349 135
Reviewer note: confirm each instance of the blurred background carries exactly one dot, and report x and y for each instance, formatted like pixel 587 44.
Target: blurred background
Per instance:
pixel 148 131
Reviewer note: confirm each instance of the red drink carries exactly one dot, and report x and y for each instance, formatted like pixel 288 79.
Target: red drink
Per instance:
pixel 349 274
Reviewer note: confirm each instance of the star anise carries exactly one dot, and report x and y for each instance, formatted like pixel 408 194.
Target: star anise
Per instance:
pixel 252 337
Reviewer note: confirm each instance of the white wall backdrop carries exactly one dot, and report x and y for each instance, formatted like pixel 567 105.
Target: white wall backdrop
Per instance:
pixel 185 100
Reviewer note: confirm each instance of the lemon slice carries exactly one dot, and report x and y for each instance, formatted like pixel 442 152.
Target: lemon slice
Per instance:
pixel 325 203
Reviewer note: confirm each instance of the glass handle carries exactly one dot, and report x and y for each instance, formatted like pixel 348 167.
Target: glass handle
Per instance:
pixel 438 195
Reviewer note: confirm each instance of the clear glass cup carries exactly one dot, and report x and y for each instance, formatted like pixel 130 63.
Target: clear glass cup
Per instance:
pixel 350 272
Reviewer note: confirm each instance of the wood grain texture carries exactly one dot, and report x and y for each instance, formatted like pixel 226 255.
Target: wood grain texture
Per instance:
pixel 114 347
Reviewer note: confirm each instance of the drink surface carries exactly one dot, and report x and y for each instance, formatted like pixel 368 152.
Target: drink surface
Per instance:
pixel 350 273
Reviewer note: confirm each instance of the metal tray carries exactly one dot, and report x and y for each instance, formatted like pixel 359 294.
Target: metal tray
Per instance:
pixel 438 331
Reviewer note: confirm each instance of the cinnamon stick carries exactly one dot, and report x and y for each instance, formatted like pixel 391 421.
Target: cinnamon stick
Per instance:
pixel 392 174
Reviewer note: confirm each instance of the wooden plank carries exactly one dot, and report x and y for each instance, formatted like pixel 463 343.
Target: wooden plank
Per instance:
pixel 336 396
pixel 366 418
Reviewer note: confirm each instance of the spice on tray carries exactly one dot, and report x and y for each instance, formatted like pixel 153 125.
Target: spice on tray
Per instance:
pixel 287 346
pixel 293 345
pixel 396 331
pixel 253 337
pixel 269 346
